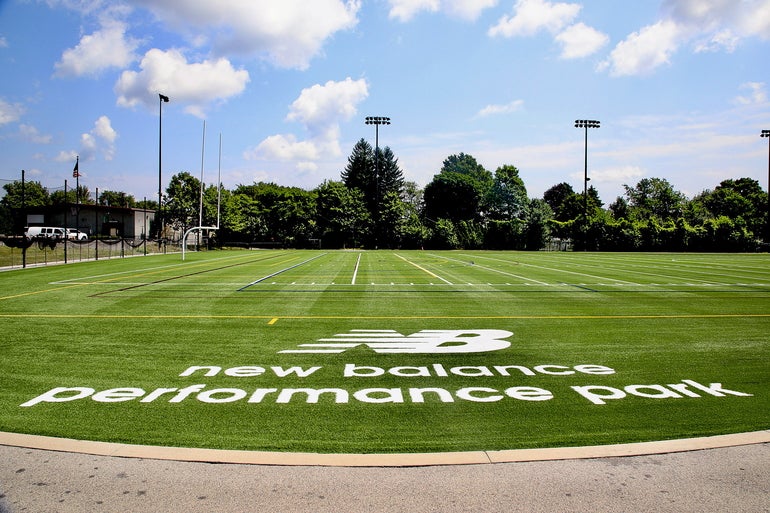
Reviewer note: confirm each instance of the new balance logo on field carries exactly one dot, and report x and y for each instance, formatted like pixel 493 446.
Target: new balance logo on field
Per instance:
pixel 425 341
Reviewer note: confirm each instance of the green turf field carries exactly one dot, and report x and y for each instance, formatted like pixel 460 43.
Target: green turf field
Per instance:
pixel 328 351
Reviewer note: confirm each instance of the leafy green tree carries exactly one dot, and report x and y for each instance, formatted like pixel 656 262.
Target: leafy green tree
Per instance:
pixel 81 194
pixel 116 199
pixel 619 208
pixel 34 195
pixel 241 221
pixel 444 235
pixel 453 196
pixel 742 198
pixel 507 198
pixel 539 215
pixel 654 197
pixel 565 203
pixel 467 165
pixel 182 201
pixel 342 217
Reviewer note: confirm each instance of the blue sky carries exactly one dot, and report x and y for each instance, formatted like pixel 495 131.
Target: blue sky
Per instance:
pixel 681 88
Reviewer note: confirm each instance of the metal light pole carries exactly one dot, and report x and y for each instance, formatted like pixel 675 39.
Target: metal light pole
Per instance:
pixel 377 121
pixel 586 124
pixel 766 133
pixel 161 100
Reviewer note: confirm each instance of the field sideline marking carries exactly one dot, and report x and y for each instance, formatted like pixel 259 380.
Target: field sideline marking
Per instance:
pixel 279 272
pixel 424 270
pixel 274 318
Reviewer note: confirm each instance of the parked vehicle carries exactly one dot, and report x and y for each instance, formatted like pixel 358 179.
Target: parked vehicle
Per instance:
pixel 73 234
pixel 45 232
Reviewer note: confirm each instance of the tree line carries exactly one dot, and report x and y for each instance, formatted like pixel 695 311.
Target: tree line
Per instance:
pixel 463 206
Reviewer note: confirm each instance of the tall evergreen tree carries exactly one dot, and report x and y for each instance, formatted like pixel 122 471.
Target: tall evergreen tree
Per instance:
pixel 359 173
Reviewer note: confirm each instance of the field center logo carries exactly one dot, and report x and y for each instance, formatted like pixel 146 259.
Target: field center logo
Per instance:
pixel 422 342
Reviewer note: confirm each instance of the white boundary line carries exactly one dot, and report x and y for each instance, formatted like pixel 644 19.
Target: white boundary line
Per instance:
pixel 355 271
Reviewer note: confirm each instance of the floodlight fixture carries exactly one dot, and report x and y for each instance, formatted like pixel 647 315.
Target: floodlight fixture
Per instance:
pixel 377 120
pixel 587 123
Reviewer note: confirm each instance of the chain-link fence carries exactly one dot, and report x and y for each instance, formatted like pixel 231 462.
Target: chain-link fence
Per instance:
pixel 17 252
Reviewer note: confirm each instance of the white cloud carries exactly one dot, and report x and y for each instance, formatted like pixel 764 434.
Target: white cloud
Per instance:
pixel 708 25
pixel 289 33
pixel 106 48
pixel 532 16
pixel 757 94
pixel 9 112
pixel 644 51
pixel 405 10
pixel 100 139
pixel 580 40
pixel 168 72
pixel 468 9
pixel 507 108
pixel 617 175
pixel 30 133
pixel 320 109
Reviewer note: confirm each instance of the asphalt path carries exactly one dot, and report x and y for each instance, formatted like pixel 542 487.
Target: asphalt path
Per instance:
pixel 735 479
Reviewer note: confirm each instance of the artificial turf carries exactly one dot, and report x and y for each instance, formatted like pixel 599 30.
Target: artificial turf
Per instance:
pixel 117 332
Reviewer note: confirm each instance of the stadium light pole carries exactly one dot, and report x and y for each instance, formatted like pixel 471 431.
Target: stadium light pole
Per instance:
pixel 586 124
pixel 766 133
pixel 161 100
pixel 377 121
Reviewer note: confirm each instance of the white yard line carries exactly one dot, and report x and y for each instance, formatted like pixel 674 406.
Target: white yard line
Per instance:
pixel 568 272
pixel 355 271
pixel 279 272
pixel 500 272
pixel 425 270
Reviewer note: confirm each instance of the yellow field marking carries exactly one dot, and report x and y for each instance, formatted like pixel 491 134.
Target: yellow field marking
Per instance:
pixel 23 294
pixel 272 318
pixel 273 321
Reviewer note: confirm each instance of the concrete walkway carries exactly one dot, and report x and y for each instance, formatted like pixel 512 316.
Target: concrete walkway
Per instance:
pixel 735 477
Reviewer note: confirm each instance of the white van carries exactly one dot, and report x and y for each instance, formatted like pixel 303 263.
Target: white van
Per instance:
pixel 45 232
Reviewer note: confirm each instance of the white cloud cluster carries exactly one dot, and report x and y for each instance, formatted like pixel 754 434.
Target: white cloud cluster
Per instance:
pixel 644 51
pixel 708 25
pixel 169 73
pixel 757 94
pixel 106 48
pixel 9 112
pixel 289 33
pixel 30 133
pixel 532 16
pixel 101 139
pixel 405 10
pixel 320 109
pixel 491 110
